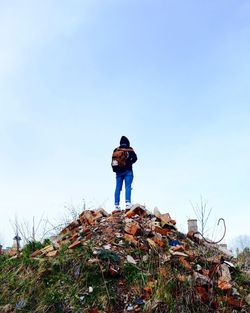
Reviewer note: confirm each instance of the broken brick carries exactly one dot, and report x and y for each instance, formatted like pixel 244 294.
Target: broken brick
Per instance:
pixel 52 253
pixel 73 225
pixel 223 285
pixel 75 244
pixel 132 228
pixel 185 263
pixel 163 271
pixel 47 249
pixel 158 241
pixel 12 252
pixel 97 215
pixel 162 231
pixel 202 293
pixel 181 278
pixel 205 272
pixel 151 242
pixel 36 253
pixel 113 272
pixel 178 248
pixel 165 218
pixel 88 217
pixel 88 236
pixel 74 237
pixel 137 209
pixel 147 292
pixel 237 303
pixel 130 238
pixel 93 311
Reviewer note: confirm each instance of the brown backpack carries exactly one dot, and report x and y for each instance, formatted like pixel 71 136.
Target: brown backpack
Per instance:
pixel 119 158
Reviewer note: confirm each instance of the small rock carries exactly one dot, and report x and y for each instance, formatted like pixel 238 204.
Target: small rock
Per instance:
pixel 247 299
pixel 6 308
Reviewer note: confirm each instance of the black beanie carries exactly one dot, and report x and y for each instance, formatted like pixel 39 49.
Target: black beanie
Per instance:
pixel 124 141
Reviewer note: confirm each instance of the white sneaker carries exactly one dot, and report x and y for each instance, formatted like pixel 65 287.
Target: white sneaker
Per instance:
pixel 117 207
pixel 128 205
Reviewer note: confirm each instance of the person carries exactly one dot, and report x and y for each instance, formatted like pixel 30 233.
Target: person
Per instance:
pixel 124 172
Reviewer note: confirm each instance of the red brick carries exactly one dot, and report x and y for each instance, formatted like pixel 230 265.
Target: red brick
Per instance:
pixel 166 218
pixel 147 292
pixel 52 253
pixel 136 210
pixel 132 228
pixel 202 293
pixel 36 253
pixel 89 236
pixel 178 248
pixel 74 237
pixel 162 231
pixel 223 285
pixel 73 224
pixel 237 303
pixel 47 249
pixel 181 278
pixel 86 230
pixel 158 241
pixel 75 244
pixel 185 263
pixel 130 238
pixel 113 272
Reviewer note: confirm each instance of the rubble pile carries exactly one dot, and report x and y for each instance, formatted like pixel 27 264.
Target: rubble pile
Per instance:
pixel 134 261
pixel 150 244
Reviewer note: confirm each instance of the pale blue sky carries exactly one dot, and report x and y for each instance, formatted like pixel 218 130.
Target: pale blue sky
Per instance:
pixel 173 76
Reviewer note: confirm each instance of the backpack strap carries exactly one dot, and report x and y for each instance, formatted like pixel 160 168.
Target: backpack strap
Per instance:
pixel 124 149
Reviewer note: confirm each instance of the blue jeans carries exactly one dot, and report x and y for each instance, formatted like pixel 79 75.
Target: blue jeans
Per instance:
pixel 120 177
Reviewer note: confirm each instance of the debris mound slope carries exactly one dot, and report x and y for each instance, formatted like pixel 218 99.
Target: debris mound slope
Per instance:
pixel 126 261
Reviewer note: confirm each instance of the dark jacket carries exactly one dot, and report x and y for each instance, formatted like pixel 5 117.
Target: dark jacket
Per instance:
pixel 132 157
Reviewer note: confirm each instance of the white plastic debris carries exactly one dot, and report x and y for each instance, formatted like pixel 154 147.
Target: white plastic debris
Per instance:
pixel 131 260
pixel 107 247
pixel 130 307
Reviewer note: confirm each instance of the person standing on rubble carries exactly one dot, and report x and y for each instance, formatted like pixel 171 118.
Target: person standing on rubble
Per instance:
pixel 123 158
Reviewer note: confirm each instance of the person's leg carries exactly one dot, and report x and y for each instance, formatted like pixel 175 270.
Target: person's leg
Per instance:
pixel 118 188
pixel 128 183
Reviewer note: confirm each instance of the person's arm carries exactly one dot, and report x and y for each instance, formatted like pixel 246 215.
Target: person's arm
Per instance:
pixel 132 157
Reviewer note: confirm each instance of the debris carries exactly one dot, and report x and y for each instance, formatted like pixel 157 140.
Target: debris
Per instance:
pixel 20 304
pixel 52 253
pixel 132 228
pixel 185 263
pixel 247 299
pixel 129 307
pixel 130 259
pixel 75 244
pixel 136 209
pixel 159 254
pixel 200 279
pixel 177 253
pixel 107 247
pixel 174 243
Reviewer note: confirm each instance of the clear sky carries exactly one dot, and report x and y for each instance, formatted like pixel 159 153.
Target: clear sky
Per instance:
pixel 173 76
